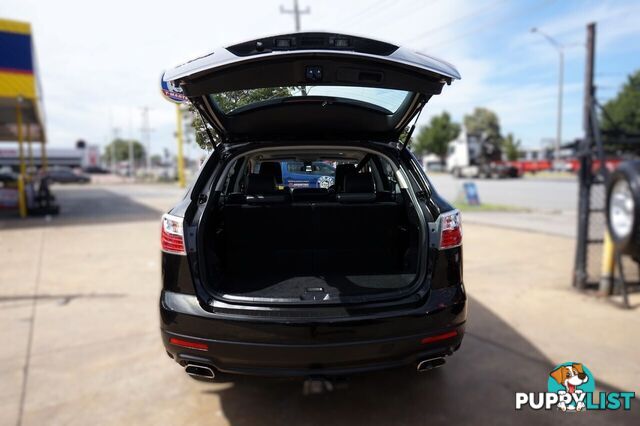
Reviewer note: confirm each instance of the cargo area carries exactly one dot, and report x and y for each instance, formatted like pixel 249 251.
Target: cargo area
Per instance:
pixel 352 240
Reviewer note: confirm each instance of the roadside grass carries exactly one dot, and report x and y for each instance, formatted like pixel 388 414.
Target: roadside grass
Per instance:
pixel 487 207
pixel 551 175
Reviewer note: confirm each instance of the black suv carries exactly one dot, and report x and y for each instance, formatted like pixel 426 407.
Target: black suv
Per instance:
pixel 261 278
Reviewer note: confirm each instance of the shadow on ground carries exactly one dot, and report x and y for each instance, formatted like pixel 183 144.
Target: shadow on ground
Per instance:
pixel 87 206
pixel 476 386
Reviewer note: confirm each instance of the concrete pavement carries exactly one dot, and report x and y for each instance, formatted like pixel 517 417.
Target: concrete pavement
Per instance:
pixel 79 312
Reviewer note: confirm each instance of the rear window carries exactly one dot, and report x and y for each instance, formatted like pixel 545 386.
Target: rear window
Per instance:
pixel 388 100
pixel 315 168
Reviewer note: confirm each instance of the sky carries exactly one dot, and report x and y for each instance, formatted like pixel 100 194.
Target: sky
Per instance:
pixel 100 62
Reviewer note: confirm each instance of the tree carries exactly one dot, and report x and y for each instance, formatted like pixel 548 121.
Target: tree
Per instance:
pixel 486 124
pixel 156 160
pixel 435 137
pixel 118 150
pixel 511 147
pixel 483 122
pixel 229 101
pixel 622 113
pixel 200 128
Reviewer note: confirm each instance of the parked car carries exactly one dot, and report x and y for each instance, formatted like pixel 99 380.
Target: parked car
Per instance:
pixel 301 174
pixel 362 275
pixel 66 176
pixel 96 170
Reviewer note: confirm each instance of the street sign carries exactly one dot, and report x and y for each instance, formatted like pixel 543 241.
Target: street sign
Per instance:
pixel 471 193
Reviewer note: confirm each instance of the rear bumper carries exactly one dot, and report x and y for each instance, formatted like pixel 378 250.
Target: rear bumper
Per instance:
pixel 304 348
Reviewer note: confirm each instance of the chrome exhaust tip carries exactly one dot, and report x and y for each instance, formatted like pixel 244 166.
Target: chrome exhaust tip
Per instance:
pixel 430 364
pixel 196 370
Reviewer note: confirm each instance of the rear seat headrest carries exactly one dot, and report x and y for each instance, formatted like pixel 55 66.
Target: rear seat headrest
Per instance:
pixel 261 189
pixel 261 184
pixel 271 168
pixel 343 170
pixel 358 188
pixel 359 182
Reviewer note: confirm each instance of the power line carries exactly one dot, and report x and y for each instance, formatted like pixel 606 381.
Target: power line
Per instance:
pixel 479 11
pixel 491 23
pixel 296 12
pixel 414 11
pixel 370 11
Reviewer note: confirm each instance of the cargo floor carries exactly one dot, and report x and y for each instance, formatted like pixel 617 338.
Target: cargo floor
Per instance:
pixel 310 287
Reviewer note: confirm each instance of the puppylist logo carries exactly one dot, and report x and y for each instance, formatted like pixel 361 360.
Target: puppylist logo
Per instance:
pixel 571 388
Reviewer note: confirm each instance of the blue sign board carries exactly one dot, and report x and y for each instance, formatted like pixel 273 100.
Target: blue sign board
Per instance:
pixel 471 193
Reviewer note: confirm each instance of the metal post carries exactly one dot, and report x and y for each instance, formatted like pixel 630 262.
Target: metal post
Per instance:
pixel 30 149
pixel 22 201
pixel 560 48
pixel 132 172
pixel 145 130
pixel 608 266
pixel 22 165
pixel 44 153
pixel 585 177
pixel 180 157
pixel 559 119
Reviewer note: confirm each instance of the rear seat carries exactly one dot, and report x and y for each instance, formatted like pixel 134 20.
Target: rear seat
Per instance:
pixel 305 233
pixel 262 189
pixel 261 231
pixel 310 195
pixel 367 229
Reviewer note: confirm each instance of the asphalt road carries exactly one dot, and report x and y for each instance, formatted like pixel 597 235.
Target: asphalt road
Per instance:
pixel 78 308
pixel 548 205
pixel 540 194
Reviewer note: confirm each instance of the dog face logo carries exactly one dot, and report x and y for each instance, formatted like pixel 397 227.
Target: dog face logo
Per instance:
pixel 571 381
pixel 570 376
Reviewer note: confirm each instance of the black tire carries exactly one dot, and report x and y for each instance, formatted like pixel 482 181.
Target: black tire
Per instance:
pixel 629 243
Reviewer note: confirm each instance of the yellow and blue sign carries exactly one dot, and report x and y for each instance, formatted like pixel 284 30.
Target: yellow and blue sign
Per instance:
pixel 17 76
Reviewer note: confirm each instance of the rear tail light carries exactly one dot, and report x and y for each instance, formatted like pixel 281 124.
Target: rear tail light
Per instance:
pixel 172 238
pixel 450 230
pixel 438 337
pixel 189 344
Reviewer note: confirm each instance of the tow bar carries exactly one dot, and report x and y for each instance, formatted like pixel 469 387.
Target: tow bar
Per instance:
pixel 317 385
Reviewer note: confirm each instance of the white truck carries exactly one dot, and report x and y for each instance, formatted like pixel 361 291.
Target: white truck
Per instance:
pixel 474 156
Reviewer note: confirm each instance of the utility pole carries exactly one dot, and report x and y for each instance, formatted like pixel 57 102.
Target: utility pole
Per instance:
pixel 589 87
pixel 146 130
pixel 131 155
pixel 115 131
pixel 585 179
pixel 296 12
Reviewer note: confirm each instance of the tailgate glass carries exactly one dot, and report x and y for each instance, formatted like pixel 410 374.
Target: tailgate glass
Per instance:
pixel 386 100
